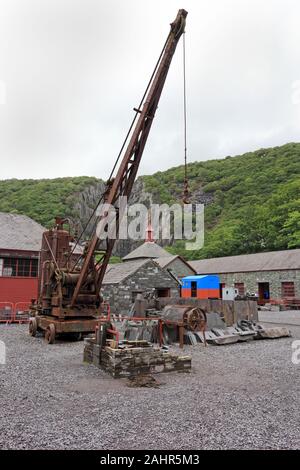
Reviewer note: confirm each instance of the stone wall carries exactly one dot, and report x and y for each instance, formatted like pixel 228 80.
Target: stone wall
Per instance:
pixel 147 277
pixel 133 359
pixel 275 278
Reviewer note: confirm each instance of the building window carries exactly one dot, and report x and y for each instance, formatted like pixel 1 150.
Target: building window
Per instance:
pixel 240 287
pixel 287 289
pixel 34 268
pixel 19 267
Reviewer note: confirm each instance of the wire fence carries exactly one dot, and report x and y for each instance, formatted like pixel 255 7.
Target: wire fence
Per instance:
pixel 14 312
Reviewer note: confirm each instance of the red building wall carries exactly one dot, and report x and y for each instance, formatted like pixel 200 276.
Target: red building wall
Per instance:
pixel 18 289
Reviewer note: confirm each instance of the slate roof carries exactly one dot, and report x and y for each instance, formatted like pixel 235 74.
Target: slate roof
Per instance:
pixel 147 250
pixel 166 260
pixel 116 273
pixel 269 261
pixel 19 232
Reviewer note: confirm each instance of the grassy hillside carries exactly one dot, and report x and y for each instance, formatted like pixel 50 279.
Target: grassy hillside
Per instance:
pixel 42 200
pixel 255 200
pixel 252 200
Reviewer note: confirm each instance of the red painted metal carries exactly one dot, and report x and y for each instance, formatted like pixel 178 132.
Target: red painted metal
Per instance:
pixel 6 312
pixel 14 313
pixel 18 289
pixel 149 230
pixel 114 333
pixel 21 312
pixel 105 310
pixel 201 293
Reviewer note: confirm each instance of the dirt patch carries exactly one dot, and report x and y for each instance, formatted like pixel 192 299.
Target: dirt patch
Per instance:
pixel 143 381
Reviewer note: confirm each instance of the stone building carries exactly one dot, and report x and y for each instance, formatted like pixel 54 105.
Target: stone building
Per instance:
pixel 271 275
pixel 148 268
pixel 122 281
pixel 148 249
pixel 175 264
pixel 20 244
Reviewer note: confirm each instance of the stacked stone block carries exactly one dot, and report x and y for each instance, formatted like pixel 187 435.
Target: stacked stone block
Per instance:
pixel 130 361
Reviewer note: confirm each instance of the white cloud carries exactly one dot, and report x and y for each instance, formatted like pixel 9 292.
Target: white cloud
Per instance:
pixel 74 69
pixel 2 92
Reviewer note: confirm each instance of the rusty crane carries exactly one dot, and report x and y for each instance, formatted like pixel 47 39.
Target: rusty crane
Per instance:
pixel 69 299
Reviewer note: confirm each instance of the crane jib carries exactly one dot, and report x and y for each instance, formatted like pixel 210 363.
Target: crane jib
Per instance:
pixel 123 181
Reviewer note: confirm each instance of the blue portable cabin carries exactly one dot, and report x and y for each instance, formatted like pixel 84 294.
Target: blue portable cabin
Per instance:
pixel 201 286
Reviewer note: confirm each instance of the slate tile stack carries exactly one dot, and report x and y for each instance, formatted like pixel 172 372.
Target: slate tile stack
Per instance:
pixel 133 358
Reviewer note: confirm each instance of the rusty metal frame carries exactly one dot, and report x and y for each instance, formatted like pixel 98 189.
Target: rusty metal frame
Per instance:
pixel 123 182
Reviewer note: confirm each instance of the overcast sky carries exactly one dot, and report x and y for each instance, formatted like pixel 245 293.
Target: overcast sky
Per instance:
pixel 72 70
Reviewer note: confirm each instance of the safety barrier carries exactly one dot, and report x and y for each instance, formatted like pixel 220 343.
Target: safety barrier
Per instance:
pixel 6 312
pixel 105 310
pixel 21 312
pixel 14 313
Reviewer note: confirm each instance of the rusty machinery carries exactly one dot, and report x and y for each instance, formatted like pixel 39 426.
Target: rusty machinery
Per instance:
pixel 69 298
pixel 183 317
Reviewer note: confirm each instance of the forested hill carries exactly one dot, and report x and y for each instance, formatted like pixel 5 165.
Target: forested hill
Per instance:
pixel 252 200
pixel 44 199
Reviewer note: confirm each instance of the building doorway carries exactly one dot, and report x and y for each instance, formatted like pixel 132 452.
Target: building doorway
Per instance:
pixel 263 292
pixel 194 289
pixel 240 288
pixel 222 285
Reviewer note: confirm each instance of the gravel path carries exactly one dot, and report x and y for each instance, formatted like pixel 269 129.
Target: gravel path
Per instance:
pixel 286 317
pixel 237 396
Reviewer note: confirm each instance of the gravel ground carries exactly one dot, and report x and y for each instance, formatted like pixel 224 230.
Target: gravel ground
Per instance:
pixel 237 396
pixel 286 317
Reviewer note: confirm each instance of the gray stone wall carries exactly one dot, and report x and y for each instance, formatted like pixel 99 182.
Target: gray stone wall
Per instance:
pixel 179 268
pixel 148 277
pixel 275 278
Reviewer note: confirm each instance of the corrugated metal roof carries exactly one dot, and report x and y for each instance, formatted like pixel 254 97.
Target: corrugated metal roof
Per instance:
pixel 119 272
pixel 195 278
pixel 269 261
pixel 19 232
pixel 147 250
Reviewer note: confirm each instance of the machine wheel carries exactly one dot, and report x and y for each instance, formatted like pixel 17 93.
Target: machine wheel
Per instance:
pixel 203 319
pixel 32 326
pixel 50 334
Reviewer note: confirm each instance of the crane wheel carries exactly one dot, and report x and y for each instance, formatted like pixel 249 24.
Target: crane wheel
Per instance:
pixel 50 334
pixel 32 326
